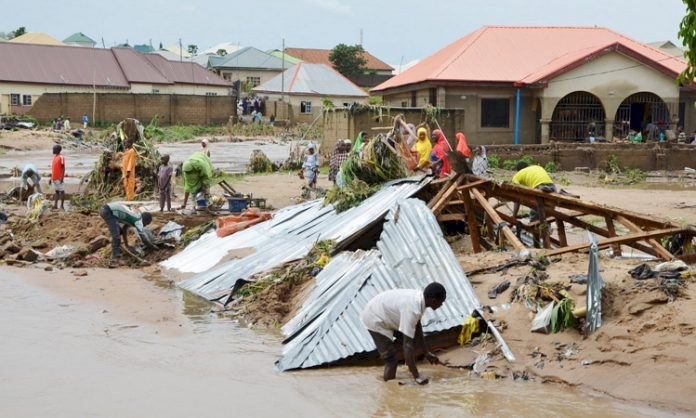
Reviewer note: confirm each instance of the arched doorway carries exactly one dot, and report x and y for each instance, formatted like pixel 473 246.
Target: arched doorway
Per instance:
pixel 640 109
pixel 573 115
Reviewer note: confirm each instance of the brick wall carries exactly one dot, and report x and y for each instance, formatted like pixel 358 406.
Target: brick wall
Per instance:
pixel 114 107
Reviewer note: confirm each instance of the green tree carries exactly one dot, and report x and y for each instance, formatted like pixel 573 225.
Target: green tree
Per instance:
pixel 348 60
pixel 221 52
pixel 19 32
pixel 192 49
pixel 687 33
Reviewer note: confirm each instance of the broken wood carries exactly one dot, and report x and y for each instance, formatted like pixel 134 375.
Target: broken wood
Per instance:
pixel 497 220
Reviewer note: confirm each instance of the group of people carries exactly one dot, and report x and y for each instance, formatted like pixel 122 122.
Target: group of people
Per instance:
pixel 30 173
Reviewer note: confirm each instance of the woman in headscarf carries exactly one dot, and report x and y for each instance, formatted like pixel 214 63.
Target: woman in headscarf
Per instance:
pixel 408 136
pixel 462 145
pixel 480 164
pixel 359 141
pixel 197 171
pixel 438 156
pixel 423 148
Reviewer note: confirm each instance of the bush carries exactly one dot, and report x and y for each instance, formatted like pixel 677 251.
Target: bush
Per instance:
pixel 493 161
pixel 550 167
pixel 509 165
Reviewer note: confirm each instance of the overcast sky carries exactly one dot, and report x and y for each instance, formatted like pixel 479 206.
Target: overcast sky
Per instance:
pixel 396 32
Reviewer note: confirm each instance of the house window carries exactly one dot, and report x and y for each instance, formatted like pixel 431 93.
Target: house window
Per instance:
pixel 26 100
pixel 210 93
pixel 305 107
pixel 254 81
pixel 14 99
pixel 495 113
pixel 155 91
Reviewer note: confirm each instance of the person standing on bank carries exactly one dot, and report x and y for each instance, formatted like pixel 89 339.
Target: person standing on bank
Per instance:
pixel 119 218
pixel 164 181
pixel 128 170
pixel 393 321
pixel 58 177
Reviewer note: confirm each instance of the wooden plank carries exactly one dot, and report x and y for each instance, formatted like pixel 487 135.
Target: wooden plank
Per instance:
pixel 451 217
pixel 543 225
pixel 624 239
pixel 471 220
pixel 616 249
pixel 562 240
pixel 450 188
pixel 659 249
pixel 497 220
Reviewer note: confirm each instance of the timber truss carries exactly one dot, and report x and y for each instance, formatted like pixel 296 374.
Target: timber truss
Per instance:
pixel 484 206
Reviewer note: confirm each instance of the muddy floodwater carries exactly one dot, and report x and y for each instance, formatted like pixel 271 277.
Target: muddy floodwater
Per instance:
pixel 228 156
pixel 122 344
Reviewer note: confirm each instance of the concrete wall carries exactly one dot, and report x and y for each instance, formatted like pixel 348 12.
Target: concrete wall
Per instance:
pixel 170 109
pixel 646 157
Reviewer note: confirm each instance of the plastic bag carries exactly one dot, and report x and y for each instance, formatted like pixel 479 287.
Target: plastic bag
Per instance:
pixel 542 320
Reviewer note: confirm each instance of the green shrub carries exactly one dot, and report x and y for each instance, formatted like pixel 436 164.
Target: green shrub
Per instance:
pixel 493 161
pixel 550 167
pixel 510 165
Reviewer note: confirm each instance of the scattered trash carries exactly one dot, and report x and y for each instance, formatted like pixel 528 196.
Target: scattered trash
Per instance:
pixel 674 265
pixel 578 278
pixel 542 320
pixel 500 288
pixel 171 231
pixel 60 252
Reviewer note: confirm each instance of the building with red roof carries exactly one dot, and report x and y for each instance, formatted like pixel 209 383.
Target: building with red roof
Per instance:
pixel 536 84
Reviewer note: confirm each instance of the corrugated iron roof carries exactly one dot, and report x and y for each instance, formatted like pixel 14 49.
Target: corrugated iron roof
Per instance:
pixel 79 66
pixel 37 38
pixel 250 58
pixel 412 253
pixel 79 38
pixel 511 54
pixel 69 65
pixel 314 79
pixel 185 72
pixel 288 236
pixel 321 56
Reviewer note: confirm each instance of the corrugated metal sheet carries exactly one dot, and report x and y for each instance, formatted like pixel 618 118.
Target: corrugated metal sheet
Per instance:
pixel 486 54
pixel 321 56
pixel 79 66
pixel 306 78
pixel 69 65
pixel 412 252
pixel 250 58
pixel 284 238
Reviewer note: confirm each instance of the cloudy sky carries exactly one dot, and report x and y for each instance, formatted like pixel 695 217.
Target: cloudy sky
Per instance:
pixel 397 32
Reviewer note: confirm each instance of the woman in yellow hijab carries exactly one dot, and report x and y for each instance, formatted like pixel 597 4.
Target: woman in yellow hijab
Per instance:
pixel 423 148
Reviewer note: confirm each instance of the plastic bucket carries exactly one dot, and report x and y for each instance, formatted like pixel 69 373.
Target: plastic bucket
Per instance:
pixel 237 204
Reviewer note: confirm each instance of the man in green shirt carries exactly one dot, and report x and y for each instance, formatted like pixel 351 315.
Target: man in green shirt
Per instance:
pixel 119 218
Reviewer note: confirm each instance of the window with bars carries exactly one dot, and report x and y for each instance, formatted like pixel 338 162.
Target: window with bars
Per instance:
pixel 14 99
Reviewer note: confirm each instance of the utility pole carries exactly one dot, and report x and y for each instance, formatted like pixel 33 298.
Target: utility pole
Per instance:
pixel 282 75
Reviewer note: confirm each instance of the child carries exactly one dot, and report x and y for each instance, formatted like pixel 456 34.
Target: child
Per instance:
pixel 58 177
pixel 165 184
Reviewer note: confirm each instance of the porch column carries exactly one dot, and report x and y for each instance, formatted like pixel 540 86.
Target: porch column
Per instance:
pixel 608 129
pixel 545 130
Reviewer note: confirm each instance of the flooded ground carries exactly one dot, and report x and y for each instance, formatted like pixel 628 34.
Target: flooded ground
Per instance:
pixel 231 157
pixel 122 344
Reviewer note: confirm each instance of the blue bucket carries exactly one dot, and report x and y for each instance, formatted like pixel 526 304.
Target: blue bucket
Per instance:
pixel 237 204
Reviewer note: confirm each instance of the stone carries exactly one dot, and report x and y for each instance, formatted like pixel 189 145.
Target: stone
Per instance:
pixel 79 273
pixel 28 254
pixel 98 243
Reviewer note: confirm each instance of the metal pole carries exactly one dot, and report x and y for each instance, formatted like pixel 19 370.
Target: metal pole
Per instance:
pixel 517 115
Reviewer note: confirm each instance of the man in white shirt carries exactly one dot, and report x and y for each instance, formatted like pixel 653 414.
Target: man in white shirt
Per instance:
pixel 393 320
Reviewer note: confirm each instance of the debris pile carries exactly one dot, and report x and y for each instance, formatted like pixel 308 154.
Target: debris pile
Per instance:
pixel 105 181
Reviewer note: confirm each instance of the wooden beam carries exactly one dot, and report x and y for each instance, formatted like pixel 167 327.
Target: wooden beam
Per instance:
pixel 451 217
pixel 497 220
pixel 444 195
pixel 560 226
pixel 616 249
pixel 659 249
pixel 471 220
pixel 624 239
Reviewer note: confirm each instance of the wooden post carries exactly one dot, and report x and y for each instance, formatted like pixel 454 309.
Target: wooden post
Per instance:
pixel 471 220
pixel 561 233
pixel 497 220
pixel 616 249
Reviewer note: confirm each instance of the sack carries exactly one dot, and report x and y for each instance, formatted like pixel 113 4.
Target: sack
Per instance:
pixel 542 320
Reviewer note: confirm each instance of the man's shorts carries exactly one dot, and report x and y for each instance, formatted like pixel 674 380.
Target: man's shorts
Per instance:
pixel 386 347
pixel 58 186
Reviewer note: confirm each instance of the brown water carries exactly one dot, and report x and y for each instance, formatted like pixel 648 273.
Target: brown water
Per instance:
pixel 64 356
